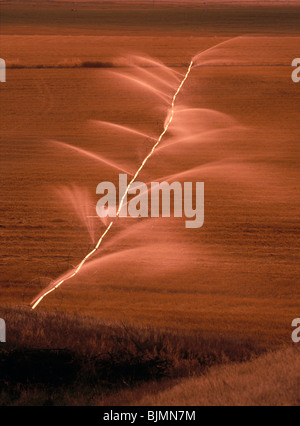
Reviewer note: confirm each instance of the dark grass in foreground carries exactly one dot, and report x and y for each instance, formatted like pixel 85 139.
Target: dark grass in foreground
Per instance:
pixel 52 358
pixel 63 65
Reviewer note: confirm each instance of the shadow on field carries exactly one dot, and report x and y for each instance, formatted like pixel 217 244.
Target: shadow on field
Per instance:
pixel 91 358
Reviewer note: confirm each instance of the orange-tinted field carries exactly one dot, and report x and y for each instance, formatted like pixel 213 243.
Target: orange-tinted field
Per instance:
pixel 239 273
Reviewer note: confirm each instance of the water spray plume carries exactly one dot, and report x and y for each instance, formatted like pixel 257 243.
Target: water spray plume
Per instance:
pixel 93 156
pixel 180 78
pixel 164 96
pixel 155 63
pixel 155 77
pixel 122 128
pixel 56 284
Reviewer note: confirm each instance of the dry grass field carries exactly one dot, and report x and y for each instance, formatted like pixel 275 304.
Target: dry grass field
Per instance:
pixel 58 359
pixel 271 380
